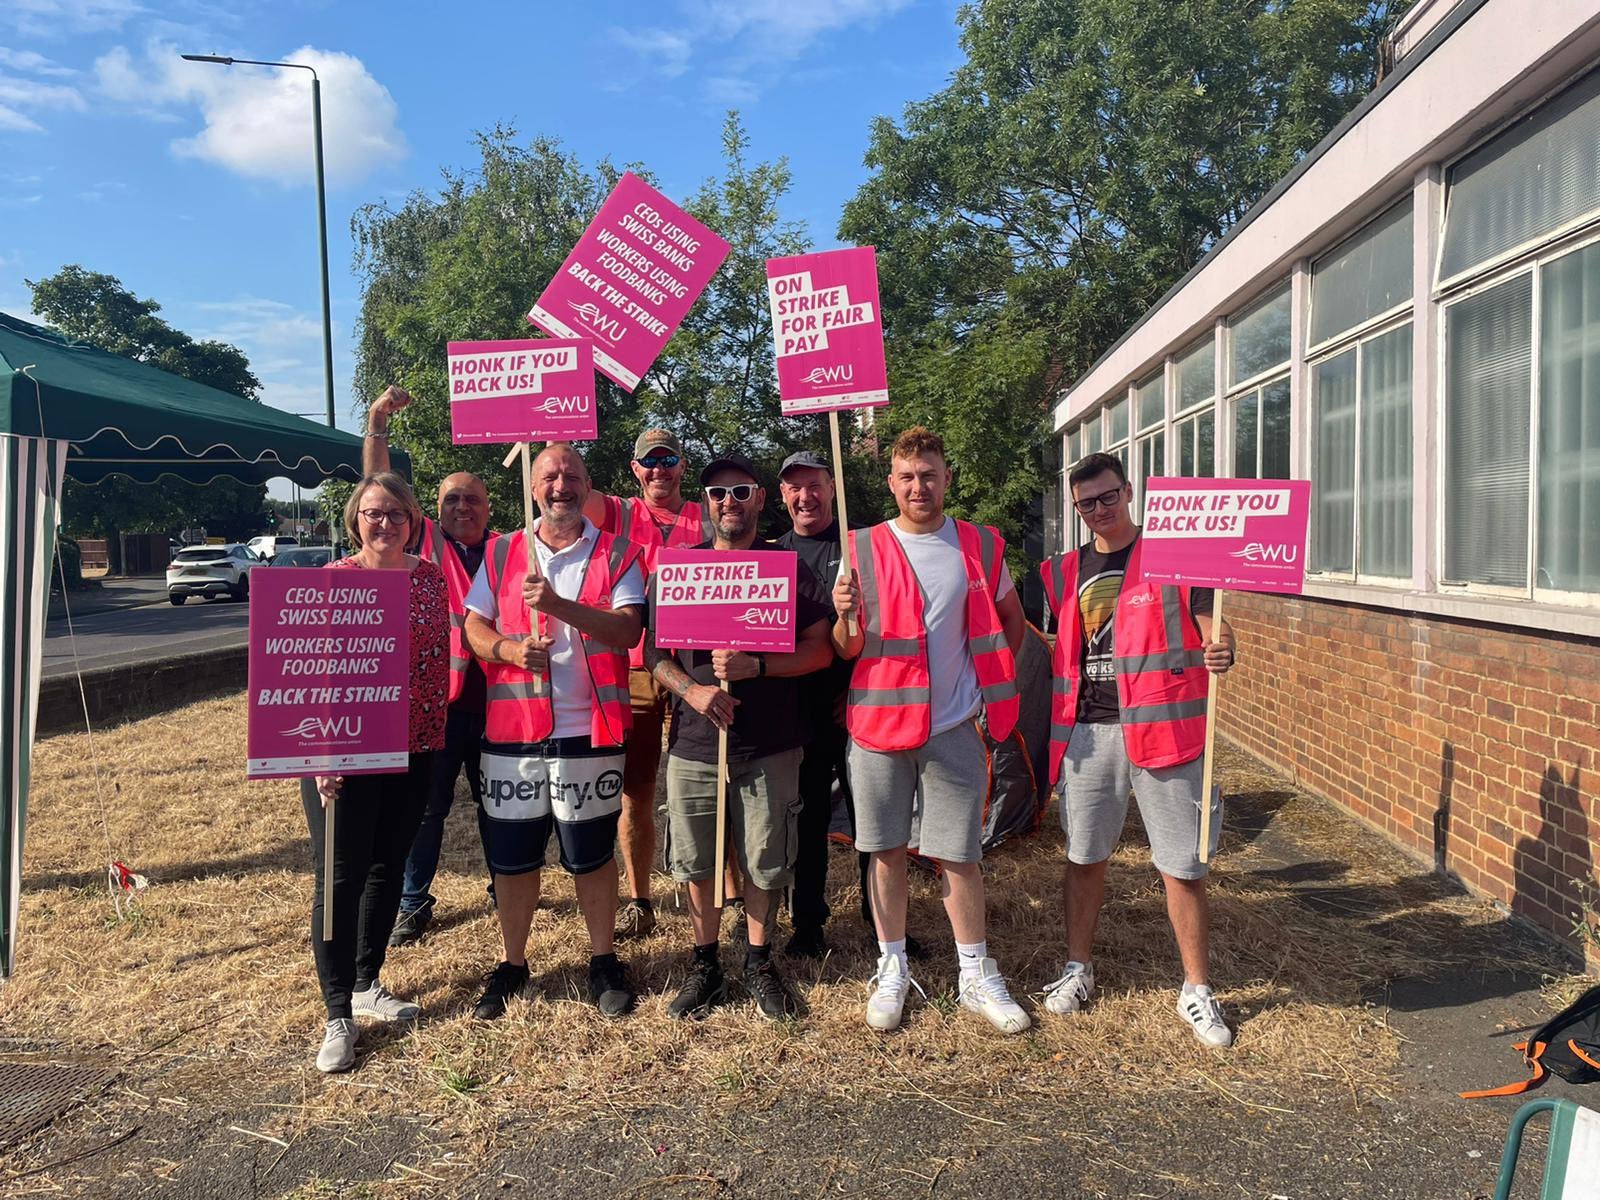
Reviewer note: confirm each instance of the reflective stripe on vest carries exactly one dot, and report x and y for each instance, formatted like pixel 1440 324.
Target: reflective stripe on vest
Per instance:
pixel 433 546
pixel 1159 660
pixel 889 702
pixel 519 703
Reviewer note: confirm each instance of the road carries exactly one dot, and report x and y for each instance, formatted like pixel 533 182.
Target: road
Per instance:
pixel 154 631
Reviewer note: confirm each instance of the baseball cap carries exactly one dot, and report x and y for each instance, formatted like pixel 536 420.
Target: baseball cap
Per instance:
pixel 733 459
pixel 805 458
pixel 656 439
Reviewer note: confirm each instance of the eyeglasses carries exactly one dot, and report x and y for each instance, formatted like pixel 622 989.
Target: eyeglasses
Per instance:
pixel 1104 500
pixel 385 516
pixel 741 492
pixel 659 460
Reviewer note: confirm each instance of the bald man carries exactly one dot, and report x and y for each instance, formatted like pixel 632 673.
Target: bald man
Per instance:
pixel 457 542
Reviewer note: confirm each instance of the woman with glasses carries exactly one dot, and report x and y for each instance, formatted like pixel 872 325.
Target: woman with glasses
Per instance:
pixel 376 816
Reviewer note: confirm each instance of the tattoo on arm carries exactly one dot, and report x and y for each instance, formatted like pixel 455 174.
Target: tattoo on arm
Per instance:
pixel 665 667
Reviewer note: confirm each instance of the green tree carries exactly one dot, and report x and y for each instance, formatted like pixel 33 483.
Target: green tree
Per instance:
pixel 96 308
pixel 1085 155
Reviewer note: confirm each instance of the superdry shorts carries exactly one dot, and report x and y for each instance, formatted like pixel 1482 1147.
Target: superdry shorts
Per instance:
pixel 562 783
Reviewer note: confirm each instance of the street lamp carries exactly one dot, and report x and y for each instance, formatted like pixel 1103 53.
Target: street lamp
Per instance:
pixel 322 206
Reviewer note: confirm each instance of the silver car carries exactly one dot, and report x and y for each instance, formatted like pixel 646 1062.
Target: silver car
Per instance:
pixel 210 571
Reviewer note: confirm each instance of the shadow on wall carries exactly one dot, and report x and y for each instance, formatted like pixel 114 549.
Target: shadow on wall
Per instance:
pixel 1441 816
pixel 1553 870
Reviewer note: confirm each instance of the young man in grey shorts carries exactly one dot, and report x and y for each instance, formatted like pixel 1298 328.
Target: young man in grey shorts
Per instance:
pixel 937 626
pixel 1128 713
pixel 766 735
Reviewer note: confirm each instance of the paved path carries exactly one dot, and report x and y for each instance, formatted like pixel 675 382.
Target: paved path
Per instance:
pixel 148 633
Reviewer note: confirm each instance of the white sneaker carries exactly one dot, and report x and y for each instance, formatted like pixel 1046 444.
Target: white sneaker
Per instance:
pixel 984 992
pixel 1199 1007
pixel 888 998
pixel 1071 992
pixel 382 1005
pixel 338 1051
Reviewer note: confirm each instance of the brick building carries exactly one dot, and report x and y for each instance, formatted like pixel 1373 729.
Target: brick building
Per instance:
pixel 1411 320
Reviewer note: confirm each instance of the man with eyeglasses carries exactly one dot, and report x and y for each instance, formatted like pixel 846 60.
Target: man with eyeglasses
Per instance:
pixel 1129 714
pixel 457 542
pixel 766 734
pixel 659 516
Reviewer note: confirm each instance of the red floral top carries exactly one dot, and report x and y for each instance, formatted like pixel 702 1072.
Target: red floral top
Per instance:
pixel 430 653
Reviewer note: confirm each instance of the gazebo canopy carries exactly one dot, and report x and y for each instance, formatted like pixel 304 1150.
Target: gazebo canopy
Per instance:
pixel 121 417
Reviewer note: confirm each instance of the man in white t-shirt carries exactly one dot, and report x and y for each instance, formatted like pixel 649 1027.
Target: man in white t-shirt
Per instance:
pixel 553 634
pixel 935 644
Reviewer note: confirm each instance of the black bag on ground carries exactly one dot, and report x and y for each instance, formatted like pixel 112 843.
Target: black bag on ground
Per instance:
pixel 1568 1044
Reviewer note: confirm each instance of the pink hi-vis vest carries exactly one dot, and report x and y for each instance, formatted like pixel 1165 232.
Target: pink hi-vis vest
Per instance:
pixel 890 703
pixel 519 708
pixel 629 517
pixel 435 549
pixel 1160 663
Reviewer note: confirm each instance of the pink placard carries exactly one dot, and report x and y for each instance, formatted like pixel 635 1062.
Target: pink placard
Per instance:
pixel 631 279
pixel 725 600
pixel 330 672
pixel 827 327
pixel 1244 534
pixel 533 390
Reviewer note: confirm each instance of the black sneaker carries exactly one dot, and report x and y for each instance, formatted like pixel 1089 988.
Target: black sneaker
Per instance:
pixel 410 925
pixel 705 988
pixel 808 942
pixel 505 981
pixel 609 988
pixel 767 989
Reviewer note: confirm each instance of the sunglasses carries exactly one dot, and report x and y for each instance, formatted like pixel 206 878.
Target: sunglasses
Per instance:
pixel 659 460
pixel 1104 500
pixel 385 516
pixel 741 492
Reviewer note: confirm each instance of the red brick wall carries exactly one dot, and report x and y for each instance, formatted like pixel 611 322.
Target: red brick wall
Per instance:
pixel 1474 746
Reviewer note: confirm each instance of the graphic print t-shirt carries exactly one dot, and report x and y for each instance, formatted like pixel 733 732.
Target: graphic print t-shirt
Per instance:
pixel 1099 584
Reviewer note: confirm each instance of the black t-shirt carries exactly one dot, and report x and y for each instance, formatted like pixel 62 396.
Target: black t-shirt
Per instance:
pixel 1099 584
pixel 771 717
pixel 821 553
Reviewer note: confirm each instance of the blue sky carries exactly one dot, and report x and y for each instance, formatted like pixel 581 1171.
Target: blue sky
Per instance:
pixel 192 183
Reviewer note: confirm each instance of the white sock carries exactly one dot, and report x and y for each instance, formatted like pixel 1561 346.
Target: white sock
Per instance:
pixel 1199 989
pixel 971 956
pixel 896 949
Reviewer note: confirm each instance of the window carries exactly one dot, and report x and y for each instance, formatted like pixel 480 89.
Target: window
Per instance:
pixel 1537 178
pixel 1119 424
pixel 1149 460
pixel 1150 401
pixel 1258 338
pixel 1196 445
pixel 1569 424
pixel 1367 276
pixel 1091 435
pixel 1195 376
pixel 1261 432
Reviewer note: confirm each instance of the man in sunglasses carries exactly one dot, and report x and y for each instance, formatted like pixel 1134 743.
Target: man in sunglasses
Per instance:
pixel 1129 714
pixel 659 516
pixel 457 542
pixel 766 736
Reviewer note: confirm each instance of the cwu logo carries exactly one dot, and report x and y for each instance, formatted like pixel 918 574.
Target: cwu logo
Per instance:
pixel 843 373
pixel 557 406
pixel 1260 552
pixel 754 618
pixel 607 327
pixel 326 727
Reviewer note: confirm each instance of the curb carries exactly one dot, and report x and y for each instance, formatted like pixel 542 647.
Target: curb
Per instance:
pixel 123 693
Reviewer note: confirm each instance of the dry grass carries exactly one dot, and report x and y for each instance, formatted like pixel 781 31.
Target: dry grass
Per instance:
pixel 210 974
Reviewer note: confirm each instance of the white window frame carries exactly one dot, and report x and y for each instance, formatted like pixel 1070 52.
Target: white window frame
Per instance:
pixel 1179 425
pixel 1357 337
pixel 1225 349
pixel 1326 347
pixel 1259 385
pixel 1533 266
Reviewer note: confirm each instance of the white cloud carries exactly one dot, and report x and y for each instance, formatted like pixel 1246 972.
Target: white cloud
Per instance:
pixel 11 119
pixel 20 99
pixel 257 119
pixel 665 52
pixel 55 18
pixel 32 63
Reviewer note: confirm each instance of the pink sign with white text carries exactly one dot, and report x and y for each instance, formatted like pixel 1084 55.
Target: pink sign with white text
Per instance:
pixel 725 600
pixel 631 279
pixel 330 672
pixel 1244 534
pixel 827 326
pixel 532 390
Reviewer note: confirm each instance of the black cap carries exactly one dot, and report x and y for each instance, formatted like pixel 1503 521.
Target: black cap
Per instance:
pixel 731 459
pixel 805 458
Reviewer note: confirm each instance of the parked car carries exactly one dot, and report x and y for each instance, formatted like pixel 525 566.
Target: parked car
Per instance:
pixel 211 571
pixel 267 546
pixel 304 556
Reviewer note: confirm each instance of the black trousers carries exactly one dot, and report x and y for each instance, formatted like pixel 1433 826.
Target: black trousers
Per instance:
pixel 824 760
pixel 374 822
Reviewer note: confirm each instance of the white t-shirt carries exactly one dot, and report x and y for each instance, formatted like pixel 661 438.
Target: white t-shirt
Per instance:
pixel 936 561
pixel 570 686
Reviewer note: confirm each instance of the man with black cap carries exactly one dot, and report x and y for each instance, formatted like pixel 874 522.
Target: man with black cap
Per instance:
pixel 658 517
pixel 766 736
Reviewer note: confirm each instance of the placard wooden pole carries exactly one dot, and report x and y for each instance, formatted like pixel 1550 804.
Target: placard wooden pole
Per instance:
pixel 1213 682
pixel 844 520
pixel 721 894
pixel 327 870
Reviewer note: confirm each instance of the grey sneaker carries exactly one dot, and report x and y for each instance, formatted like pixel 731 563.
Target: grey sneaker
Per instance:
pixel 338 1051
pixel 1198 1006
pixel 380 1004
pixel 1072 991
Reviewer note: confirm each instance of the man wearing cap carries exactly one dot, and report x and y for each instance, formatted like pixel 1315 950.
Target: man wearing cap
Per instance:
pixel 457 542
pixel 659 516
pixel 766 733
